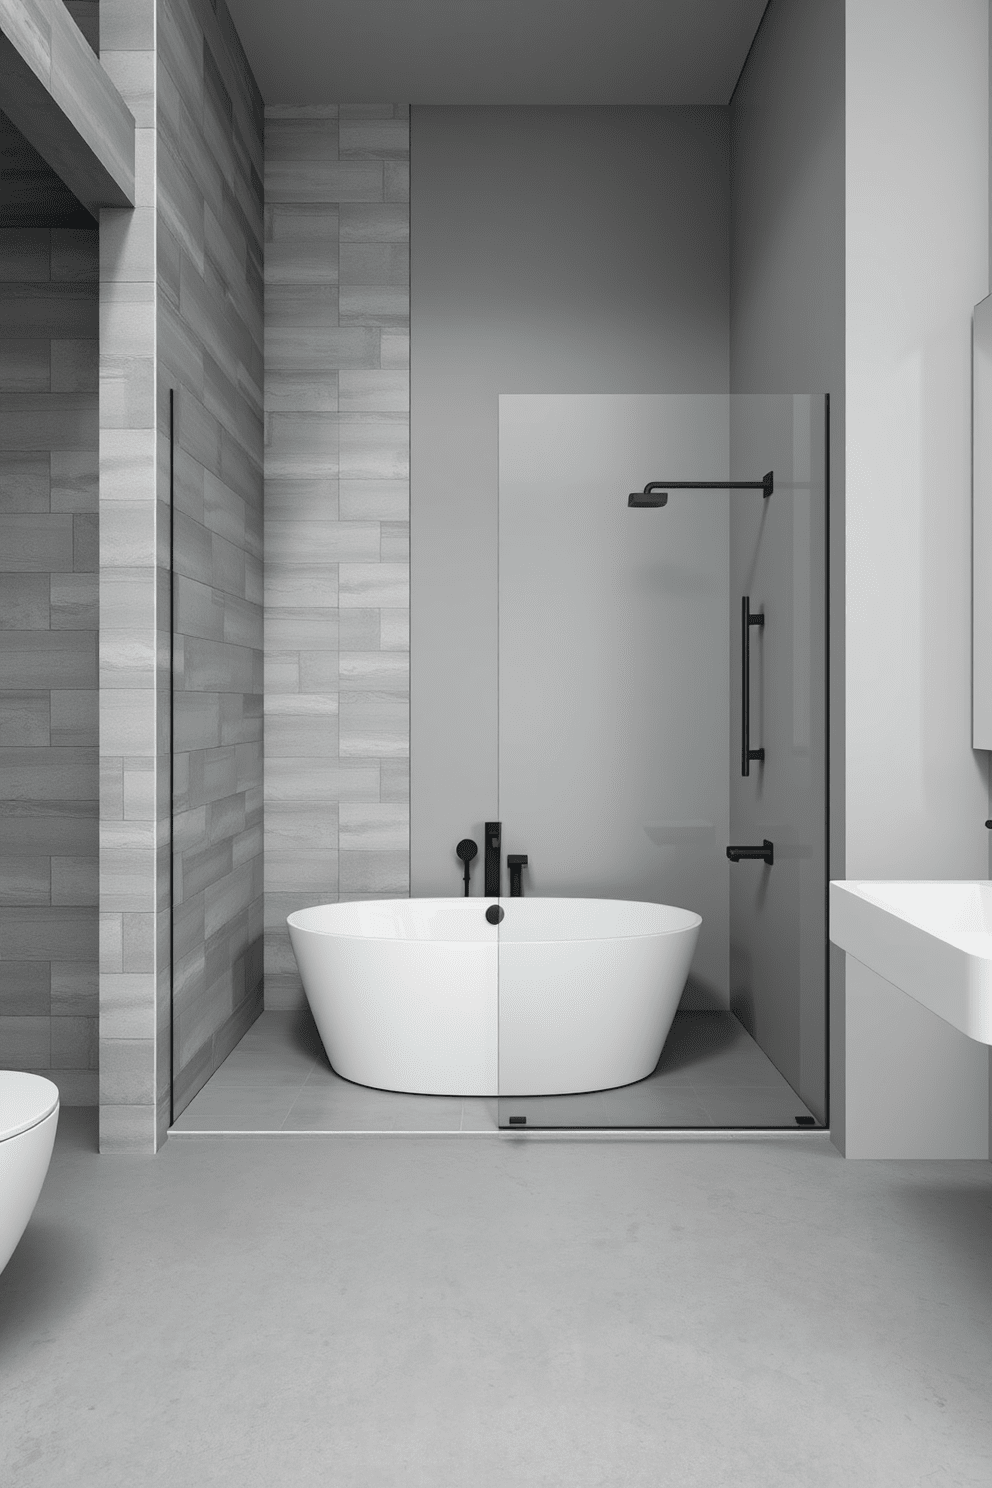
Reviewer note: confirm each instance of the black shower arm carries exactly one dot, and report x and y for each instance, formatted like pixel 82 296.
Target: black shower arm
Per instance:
pixel 655 493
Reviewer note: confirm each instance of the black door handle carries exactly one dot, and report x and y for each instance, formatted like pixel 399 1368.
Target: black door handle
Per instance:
pixel 747 620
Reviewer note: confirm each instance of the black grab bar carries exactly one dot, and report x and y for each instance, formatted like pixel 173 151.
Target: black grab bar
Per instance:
pixel 747 620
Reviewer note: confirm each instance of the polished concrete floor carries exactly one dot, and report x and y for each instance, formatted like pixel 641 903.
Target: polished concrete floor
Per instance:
pixel 414 1312
pixel 711 1075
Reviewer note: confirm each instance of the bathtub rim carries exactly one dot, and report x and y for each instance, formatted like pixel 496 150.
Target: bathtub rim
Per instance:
pixel 695 921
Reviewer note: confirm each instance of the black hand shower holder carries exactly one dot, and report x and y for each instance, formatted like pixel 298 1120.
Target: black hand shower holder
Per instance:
pixel 466 850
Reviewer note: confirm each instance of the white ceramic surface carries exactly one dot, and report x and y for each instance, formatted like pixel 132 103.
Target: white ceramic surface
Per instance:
pixel 931 938
pixel 424 995
pixel 29 1115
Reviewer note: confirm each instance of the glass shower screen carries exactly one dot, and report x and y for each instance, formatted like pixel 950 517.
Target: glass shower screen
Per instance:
pixel 618 660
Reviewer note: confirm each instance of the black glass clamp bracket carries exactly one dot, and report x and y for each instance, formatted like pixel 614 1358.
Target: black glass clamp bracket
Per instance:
pixel 747 620
pixel 655 493
pixel 765 853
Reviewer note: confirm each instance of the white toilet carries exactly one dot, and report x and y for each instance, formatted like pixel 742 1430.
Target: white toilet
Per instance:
pixel 29 1114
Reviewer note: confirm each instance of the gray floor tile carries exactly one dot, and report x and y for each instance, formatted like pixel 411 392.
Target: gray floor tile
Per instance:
pixel 734 1106
pixel 250 1108
pixel 566 1111
pixel 711 1073
pixel 259 1068
pixel 479 1115
pixel 358 1109
pixel 432 1312
pixel 656 1106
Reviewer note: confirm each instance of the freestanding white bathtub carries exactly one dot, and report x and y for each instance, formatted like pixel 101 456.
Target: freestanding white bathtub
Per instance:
pixel 424 995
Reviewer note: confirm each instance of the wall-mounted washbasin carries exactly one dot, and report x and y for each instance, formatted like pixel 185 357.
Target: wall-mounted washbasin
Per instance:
pixel 932 938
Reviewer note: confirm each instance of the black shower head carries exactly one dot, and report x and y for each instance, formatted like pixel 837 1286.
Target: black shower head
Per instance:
pixel 653 495
pixel 466 849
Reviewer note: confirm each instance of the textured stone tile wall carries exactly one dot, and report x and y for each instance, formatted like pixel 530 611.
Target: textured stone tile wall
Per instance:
pixel 336 515
pixel 209 237
pixel 86 14
pixel 180 296
pixel 48 638
pixel 134 650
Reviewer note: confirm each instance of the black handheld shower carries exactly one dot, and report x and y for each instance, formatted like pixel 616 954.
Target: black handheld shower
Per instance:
pixel 466 850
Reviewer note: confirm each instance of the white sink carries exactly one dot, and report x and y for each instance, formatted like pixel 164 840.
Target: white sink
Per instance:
pixel 932 938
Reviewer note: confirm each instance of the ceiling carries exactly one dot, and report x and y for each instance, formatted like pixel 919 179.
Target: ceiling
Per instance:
pixel 497 51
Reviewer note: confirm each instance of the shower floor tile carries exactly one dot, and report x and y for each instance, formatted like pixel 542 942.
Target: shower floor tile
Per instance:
pixel 711 1075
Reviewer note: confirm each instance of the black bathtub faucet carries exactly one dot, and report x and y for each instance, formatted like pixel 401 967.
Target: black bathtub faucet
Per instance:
pixel 516 862
pixel 494 832
pixel 761 851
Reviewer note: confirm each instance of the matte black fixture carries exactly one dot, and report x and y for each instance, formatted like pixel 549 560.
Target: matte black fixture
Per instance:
pixel 805 1120
pixel 493 833
pixel 172 750
pixel 495 913
pixel 518 1121
pixel 747 620
pixel 516 862
pixel 655 493
pixel 466 850
pixel 766 852
pixel 989 822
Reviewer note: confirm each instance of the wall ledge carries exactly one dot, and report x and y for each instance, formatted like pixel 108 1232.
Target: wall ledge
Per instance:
pixel 55 90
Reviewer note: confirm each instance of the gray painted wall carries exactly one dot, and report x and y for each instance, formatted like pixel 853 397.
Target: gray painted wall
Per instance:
pixel 564 250
pixel 48 676
pixel 778 560
pixel 787 295
pixel 916 209
pixel 614 686
pixel 209 319
pixel 336 512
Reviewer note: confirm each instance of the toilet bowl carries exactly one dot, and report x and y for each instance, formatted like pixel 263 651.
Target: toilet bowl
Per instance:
pixel 29 1114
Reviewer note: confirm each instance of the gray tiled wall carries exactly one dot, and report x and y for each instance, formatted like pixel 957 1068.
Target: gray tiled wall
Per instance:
pixel 180 298
pixel 209 236
pixel 134 803
pixel 48 674
pixel 336 514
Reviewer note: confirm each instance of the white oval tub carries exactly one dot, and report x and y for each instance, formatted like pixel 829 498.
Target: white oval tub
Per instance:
pixel 424 995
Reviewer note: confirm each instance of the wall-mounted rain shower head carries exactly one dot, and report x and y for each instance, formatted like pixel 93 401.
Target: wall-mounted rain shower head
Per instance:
pixel 654 494
pixel 650 496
